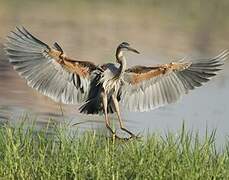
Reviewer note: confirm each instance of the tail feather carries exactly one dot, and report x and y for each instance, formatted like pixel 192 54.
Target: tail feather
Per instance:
pixel 91 107
pixel 94 106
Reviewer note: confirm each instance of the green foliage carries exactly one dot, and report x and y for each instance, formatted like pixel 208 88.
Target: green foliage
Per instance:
pixel 29 154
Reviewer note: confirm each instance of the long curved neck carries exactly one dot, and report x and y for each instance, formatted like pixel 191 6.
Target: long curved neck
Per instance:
pixel 120 58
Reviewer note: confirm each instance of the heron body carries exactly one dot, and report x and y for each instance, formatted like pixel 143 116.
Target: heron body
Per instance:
pixel 101 89
pixel 107 82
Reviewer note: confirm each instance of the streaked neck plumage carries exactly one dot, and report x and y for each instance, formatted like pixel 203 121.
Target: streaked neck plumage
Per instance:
pixel 120 58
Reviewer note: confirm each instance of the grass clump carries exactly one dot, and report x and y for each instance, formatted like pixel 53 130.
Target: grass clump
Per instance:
pixel 29 154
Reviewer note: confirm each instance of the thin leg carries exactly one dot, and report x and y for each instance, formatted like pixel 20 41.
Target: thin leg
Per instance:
pixel 107 121
pixel 119 116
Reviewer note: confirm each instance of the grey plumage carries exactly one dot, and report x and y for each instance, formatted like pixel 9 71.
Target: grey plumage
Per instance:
pixel 168 88
pixel 30 58
pixel 101 88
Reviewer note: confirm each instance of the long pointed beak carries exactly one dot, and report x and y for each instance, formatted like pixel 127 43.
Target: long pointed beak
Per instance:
pixel 133 50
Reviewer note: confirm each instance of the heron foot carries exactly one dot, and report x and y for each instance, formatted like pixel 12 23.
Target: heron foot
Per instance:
pixel 116 137
pixel 133 136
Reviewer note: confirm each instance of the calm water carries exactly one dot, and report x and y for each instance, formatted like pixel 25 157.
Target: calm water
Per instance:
pixel 91 31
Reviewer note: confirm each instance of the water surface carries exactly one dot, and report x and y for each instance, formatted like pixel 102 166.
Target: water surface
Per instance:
pixel 91 31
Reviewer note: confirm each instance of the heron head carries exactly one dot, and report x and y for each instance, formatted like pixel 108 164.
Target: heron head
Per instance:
pixel 124 46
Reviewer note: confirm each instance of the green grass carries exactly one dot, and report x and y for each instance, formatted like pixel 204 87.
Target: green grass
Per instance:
pixel 29 154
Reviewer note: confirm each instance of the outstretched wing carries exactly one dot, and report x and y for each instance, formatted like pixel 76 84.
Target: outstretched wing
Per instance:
pixel 147 88
pixel 47 69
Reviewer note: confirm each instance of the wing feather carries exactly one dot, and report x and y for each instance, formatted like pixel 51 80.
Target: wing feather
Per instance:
pixel 152 87
pixel 49 70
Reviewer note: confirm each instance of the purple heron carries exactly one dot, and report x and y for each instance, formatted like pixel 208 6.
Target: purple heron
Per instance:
pixel 102 88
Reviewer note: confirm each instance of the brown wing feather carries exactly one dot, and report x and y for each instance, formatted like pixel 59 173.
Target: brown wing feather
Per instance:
pixel 143 73
pixel 81 68
pixel 140 69
pixel 47 69
pixel 146 88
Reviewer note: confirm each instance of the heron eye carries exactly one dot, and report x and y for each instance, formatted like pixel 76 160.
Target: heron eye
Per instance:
pixel 125 44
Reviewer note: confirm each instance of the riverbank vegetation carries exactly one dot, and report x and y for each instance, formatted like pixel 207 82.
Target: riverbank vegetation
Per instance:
pixel 26 153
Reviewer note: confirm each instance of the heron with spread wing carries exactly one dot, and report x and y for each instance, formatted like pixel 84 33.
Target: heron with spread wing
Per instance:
pixel 102 88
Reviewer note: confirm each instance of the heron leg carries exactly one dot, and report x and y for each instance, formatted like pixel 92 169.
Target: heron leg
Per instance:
pixel 107 121
pixel 119 117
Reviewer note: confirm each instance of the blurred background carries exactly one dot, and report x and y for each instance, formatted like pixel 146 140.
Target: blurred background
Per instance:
pixel 91 30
